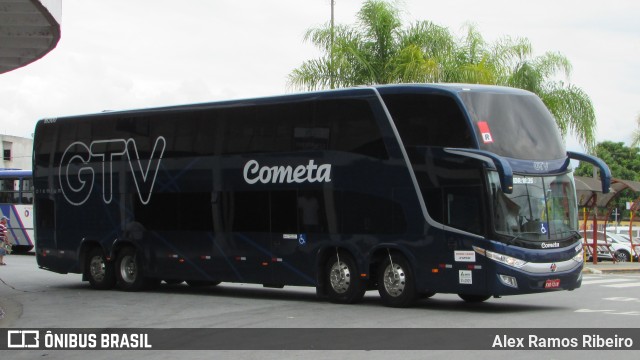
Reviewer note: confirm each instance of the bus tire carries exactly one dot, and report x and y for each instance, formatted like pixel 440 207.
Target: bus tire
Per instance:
pixel 98 270
pixel 470 298
pixel 129 276
pixel 343 285
pixel 396 283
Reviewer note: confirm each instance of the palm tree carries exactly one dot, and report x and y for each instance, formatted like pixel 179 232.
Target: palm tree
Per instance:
pixel 635 137
pixel 377 50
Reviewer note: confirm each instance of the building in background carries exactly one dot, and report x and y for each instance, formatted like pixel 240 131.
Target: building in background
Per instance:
pixel 16 152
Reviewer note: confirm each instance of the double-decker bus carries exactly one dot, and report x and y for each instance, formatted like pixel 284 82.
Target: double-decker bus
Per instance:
pixel 16 204
pixel 412 190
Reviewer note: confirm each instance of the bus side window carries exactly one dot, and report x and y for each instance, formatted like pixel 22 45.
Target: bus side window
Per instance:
pixel 464 208
pixel 352 127
pixel 8 193
pixel 46 215
pixel 429 120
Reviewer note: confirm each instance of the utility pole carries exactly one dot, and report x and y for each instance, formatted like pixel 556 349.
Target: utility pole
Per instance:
pixel 331 81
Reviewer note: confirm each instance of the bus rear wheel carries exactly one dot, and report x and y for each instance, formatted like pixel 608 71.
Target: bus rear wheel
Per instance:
pixel 128 271
pixel 344 286
pixel 98 270
pixel 396 283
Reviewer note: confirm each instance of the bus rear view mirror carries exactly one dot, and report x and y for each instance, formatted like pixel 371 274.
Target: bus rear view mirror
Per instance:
pixel 605 173
pixel 501 165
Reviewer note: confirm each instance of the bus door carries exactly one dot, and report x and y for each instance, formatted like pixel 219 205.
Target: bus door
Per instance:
pixel 453 189
pixel 463 213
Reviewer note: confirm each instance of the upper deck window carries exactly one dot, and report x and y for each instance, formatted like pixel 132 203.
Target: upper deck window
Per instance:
pixel 429 120
pixel 516 126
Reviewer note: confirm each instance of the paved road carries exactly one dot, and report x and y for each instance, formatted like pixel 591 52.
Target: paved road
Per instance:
pixel 33 298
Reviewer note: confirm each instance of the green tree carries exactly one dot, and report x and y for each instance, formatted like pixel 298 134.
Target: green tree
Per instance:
pixel 623 161
pixel 379 50
pixel 635 137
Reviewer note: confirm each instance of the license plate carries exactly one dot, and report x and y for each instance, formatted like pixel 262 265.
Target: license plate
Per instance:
pixel 552 284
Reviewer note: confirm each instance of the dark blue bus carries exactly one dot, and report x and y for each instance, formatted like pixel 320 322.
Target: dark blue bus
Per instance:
pixel 412 190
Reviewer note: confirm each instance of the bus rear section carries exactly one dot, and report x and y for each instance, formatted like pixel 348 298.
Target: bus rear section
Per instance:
pixel 412 190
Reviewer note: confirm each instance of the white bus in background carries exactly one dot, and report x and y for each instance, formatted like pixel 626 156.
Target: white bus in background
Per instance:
pixel 16 203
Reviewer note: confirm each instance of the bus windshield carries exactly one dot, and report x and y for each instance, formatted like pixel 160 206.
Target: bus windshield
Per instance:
pixel 516 126
pixel 541 208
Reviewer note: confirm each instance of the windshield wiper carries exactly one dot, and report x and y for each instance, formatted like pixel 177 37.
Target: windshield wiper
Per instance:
pixel 575 234
pixel 512 240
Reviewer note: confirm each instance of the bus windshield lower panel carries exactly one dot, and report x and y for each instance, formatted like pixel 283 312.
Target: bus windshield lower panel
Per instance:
pixel 540 209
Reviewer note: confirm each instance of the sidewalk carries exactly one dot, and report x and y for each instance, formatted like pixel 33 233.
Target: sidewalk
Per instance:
pixel 609 267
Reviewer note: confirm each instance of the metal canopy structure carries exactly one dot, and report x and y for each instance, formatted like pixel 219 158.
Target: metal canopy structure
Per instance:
pixel 589 191
pixel 28 31
pixel 590 197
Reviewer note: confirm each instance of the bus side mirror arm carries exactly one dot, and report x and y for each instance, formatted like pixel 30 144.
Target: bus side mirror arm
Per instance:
pixel 605 173
pixel 504 169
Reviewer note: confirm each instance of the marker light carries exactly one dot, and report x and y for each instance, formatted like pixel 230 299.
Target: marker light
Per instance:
pixel 501 258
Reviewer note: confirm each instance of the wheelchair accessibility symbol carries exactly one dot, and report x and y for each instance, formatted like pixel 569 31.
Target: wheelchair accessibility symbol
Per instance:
pixel 544 228
pixel 302 239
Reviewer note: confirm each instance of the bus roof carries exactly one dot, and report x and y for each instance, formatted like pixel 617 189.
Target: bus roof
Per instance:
pixel 383 89
pixel 10 173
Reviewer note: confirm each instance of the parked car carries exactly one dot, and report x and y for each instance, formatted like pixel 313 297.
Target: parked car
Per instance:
pixel 636 244
pixel 615 246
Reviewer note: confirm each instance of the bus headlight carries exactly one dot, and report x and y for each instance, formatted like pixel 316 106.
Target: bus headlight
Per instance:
pixel 579 256
pixel 501 258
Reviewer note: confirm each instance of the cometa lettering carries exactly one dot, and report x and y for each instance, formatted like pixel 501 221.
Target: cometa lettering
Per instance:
pixel 254 173
pixel 550 245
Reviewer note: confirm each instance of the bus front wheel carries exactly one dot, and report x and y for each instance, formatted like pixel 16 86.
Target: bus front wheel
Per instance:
pixel 343 283
pixel 99 271
pixel 396 283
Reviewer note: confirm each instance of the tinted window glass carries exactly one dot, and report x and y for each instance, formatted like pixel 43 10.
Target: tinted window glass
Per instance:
pixel 339 124
pixel 519 126
pixel 284 212
pixel 246 211
pixel 368 214
pixel 429 120
pixel 176 211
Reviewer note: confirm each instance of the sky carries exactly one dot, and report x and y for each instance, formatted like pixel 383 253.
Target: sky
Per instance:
pixel 123 54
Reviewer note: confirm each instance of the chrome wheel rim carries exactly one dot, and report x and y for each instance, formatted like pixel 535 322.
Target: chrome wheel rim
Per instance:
pixel 340 277
pixel 622 256
pixel 128 269
pixel 394 280
pixel 97 268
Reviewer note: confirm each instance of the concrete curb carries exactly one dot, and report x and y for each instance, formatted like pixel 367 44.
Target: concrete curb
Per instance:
pixel 621 268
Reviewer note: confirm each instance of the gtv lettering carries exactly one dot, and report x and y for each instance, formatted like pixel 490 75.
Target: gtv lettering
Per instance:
pixel 78 175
